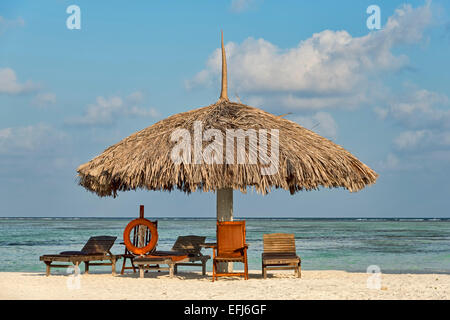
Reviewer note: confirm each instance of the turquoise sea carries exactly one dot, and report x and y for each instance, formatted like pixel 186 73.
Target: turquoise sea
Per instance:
pixel 395 245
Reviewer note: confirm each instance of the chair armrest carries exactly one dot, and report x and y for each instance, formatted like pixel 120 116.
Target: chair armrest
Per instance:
pixel 209 245
pixel 245 247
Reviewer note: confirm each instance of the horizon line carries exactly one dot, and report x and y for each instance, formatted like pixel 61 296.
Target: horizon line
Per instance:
pixel 198 217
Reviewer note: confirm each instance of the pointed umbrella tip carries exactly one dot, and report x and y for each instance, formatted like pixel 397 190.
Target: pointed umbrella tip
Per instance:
pixel 224 92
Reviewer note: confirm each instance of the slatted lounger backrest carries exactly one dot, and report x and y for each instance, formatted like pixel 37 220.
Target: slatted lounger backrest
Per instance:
pixel 98 245
pixel 189 244
pixel 279 243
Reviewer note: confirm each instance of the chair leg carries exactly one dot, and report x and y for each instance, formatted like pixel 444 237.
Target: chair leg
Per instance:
pixel 246 270
pixel 123 265
pixel 86 267
pixel 299 270
pixel 246 264
pixel 264 272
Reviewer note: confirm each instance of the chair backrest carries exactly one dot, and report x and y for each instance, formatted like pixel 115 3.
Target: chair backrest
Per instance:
pixel 189 244
pixel 146 236
pixel 98 245
pixel 279 243
pixel 230 238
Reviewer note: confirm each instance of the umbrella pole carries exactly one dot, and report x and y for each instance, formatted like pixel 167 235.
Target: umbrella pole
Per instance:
pixel 225 213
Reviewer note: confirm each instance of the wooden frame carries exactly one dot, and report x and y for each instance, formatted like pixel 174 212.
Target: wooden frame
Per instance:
pixel 192 246
pixel 230 247
pixel 76 260
pixel 96 249
pixel 280 253
pixel 154 263
pixel 185 252
pixel 135 241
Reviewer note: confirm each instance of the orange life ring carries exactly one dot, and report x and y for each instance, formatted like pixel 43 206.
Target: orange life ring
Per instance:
pixel 153 239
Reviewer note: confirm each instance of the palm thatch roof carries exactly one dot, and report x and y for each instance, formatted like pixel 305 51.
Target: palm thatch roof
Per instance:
pixel 143 160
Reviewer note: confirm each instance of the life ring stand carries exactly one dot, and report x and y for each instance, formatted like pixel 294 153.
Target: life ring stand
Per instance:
pixel 153 239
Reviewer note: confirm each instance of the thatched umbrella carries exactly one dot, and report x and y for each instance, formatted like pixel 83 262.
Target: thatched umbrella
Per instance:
pixel 165 157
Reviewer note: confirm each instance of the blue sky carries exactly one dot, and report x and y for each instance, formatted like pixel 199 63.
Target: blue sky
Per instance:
pixel 66 95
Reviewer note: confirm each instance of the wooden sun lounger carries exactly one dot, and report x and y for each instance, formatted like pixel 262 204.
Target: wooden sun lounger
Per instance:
pixel 280 254
pixel 192 246
pixel 186 251
pixel 96 249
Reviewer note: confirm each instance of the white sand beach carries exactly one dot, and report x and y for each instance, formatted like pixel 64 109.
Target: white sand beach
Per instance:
pixel 192 285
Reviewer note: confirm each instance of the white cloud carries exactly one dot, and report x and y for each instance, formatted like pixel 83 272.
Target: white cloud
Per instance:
pixel 390 163
pixel 101 111
pixel 140 112
pixel 23 140
pixel 395 163
pixel 321 123
pixel 382 113
pixel 330 69
pixel 107 110
pixel 9 84
pixel 424 117
pixel 411 139
pixel 293 101
pixel 7 23
pixel 421 140
pixel 241 5
pixel 135 97
pixel 419 108
pixel 44 99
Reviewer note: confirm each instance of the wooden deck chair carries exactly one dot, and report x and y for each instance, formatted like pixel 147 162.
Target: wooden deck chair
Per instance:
pixel 138 239
pixel 191 245
pixel 230 247
pixel 96 249
pixel 280 254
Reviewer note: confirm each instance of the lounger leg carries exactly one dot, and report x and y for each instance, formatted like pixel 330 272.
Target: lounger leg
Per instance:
pixel 264 272
pixel 299 270
pixel 86 267
pixel 141 271
pixel 113 266
pixel 203 267
pixel 175 269
pixel 171 269
pixel 47 271
pixel 76 268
